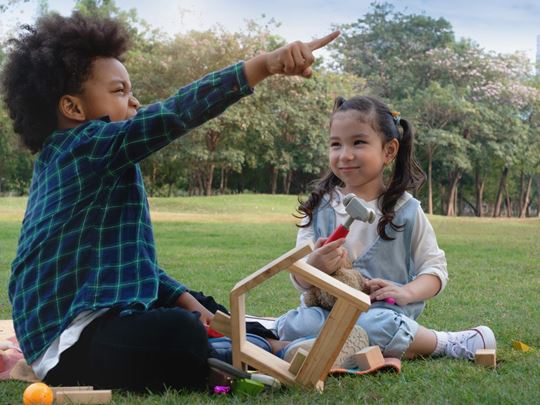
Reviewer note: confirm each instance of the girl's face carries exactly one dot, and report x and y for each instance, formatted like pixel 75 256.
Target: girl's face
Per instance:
pixel 358 156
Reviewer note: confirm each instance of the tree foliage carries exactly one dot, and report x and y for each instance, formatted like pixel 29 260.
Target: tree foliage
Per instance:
pixel 477 113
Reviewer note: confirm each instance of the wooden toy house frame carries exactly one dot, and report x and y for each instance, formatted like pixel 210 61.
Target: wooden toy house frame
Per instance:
pixel 314 370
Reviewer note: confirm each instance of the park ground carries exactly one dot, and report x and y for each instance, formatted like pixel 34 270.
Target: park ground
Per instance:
pixel 210 243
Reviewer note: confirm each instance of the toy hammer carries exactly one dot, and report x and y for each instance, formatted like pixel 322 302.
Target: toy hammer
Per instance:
pixel 357 210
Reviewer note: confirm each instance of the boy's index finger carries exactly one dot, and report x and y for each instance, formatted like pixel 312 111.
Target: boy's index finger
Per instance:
pixel 319 43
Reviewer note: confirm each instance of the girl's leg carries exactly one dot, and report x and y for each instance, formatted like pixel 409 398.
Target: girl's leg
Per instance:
pixel 145 350
pixel 422 345
pixel 400 336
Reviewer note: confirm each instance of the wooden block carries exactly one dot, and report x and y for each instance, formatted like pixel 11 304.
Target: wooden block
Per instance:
pixel 78 388
pixel 221 323
pixel 368 358
pixel 298 360
pixel 486 357
pixel 83 397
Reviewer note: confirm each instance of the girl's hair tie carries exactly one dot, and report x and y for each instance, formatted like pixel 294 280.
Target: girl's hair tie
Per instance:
pixel 338 102
pixel 396 116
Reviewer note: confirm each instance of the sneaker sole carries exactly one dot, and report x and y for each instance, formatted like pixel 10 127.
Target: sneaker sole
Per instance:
pixel 357 340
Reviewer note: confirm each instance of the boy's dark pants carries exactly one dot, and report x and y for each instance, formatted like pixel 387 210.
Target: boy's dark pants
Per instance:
pixel 137 351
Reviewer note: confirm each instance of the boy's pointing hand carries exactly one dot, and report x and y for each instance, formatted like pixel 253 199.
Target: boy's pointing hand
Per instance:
pixel 295 58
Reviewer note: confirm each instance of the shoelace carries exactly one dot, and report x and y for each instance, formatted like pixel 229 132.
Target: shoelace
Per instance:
pixel 458 347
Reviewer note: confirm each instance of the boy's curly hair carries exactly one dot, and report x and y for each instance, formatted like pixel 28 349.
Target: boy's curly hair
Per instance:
pixel 51 59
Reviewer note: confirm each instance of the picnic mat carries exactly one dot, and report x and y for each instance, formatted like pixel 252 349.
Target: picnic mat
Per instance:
pixel 12 363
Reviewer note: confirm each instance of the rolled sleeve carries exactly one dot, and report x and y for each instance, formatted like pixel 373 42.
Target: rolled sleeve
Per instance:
pixel 169 290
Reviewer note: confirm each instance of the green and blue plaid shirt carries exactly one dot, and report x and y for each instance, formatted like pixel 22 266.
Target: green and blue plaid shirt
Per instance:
pixel 86 241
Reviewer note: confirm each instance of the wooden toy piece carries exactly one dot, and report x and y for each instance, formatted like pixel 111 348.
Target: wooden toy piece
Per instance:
pixel 298 360
pixel 83 397
pixel 518 345
pixel 486 357
pixel 77 388
pixel 368 358
pixel 221 322
pixel 350 303
pixel 247 386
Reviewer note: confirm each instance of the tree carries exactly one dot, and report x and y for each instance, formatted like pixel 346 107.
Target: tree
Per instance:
pixel 389 49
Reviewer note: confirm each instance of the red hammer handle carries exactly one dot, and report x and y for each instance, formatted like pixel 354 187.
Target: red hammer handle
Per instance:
pixel 339 233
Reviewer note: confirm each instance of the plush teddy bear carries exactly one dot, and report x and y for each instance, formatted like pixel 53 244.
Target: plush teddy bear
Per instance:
pixel 315 297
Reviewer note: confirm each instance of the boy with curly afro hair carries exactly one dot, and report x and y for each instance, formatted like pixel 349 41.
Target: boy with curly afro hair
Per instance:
pixel 91 305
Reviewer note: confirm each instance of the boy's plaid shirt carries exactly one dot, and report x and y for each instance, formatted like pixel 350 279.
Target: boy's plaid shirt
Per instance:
pixel 86 241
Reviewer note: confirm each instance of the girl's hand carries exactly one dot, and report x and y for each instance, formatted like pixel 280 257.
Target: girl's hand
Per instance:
pixel 189 303
pixel 328 258
pixel 381 289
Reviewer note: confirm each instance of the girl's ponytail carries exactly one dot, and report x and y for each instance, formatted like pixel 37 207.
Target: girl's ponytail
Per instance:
pixel 406 175
pixel 323 186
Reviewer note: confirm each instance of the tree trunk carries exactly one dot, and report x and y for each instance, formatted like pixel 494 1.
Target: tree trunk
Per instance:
pixel 222 181
pixel 502 187
pixel 526 198
pixel 429 179
pixel 287 182
pixel 508 202
pixel 209 177
pixel 452 196
pixel 442 196
pixel 480 184
pixel 274 179
pixel 538 194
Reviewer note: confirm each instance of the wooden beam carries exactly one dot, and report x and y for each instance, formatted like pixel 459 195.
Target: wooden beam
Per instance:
pixel 238 329
pixel 271 269
pixel 331 339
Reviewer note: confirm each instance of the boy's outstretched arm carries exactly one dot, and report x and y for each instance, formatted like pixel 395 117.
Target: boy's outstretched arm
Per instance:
pixel 292 59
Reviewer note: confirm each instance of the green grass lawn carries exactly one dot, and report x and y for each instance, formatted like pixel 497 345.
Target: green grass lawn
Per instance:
pixel 211 243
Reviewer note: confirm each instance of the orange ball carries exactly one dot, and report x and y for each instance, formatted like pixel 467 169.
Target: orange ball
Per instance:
pixel 38 394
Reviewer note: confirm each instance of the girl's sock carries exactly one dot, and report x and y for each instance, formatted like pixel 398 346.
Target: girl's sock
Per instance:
pixel 442 341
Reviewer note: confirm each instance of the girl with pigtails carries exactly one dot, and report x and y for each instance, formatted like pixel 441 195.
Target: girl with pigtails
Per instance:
pixel 397 254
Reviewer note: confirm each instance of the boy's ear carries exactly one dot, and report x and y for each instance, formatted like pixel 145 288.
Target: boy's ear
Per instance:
pixel 390 151
pixel 71 107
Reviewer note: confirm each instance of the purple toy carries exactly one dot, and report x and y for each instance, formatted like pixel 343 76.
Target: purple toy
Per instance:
pixel 221 389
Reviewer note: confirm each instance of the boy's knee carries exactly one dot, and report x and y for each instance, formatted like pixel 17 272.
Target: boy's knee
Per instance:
pixel 301 322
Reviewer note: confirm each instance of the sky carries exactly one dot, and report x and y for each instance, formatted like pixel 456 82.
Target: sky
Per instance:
pixel 497 25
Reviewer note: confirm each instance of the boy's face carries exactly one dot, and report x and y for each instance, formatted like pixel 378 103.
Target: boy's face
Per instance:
pixel 107 92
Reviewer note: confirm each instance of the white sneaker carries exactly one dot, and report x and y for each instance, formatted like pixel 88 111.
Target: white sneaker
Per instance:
pixel 464 344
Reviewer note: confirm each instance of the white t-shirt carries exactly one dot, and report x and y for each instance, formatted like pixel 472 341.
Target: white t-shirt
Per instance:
pixel 48 360
pixel 427 257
